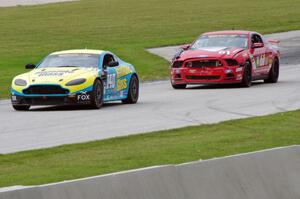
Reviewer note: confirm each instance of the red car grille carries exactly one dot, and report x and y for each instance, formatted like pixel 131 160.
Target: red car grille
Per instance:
pixel 208 77
pixel 203 63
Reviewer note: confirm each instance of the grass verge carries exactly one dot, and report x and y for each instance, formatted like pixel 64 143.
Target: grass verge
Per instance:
pixel 158 148
pixel 127 27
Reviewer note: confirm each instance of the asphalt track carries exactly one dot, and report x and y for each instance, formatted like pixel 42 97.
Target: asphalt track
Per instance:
pixel 160 107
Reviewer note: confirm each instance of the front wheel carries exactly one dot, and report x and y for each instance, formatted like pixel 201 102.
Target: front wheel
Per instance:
pixel 97 95
pixel 274 73
pixel 247 76
pixel 133 93
pixel 21 107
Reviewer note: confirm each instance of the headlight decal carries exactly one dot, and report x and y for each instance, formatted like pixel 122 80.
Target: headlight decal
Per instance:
pixel 20 82
pixel 76 82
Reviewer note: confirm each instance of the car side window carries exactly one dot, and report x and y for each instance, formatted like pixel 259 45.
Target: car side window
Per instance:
pixel 256 39
pixel 107 59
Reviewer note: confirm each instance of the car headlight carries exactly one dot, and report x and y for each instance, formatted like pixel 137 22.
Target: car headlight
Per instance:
pixel 20 82
pixel 76 82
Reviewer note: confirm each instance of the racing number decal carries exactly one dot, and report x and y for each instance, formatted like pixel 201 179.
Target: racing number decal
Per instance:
pixel 111 81
pixel 120 83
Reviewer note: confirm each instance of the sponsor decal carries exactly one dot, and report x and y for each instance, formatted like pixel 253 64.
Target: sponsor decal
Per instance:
pixel 203 56
pixel 213 49
pixel 239 77
pixel 261 60
pixel 223 52
pixel 83 96
pixel 257 60
pixel 239 69
pixel 123 94
pixel 75 54
pixel 270 61
pixel 245 54
pixel 122 84
pixel 52 73
pixel 253 61
pixel 228 71
pixel 122 71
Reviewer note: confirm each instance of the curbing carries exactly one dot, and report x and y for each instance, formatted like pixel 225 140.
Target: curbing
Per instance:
pixel 268 174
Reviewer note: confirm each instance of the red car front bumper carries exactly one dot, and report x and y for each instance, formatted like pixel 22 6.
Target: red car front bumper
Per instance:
pixel 207 75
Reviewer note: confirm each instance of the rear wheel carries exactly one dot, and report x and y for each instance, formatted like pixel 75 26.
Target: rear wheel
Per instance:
pixel 133 93
pixel 247 76
pixel 97 95
pixel 21 107
pixel 274 73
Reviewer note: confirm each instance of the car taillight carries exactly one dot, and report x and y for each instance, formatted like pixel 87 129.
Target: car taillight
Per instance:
pixel 177 64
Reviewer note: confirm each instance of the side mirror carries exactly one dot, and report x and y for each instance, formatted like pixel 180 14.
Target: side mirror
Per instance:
pixel 186 47
pixel 30 66
pixel 113 64
pixel 257 45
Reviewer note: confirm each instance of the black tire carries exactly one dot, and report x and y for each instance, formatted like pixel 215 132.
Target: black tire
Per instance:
pixel 97 95
pixel 21 107
pixel 133 93
pixel 247 76
pixel 274 72
pixel 179 86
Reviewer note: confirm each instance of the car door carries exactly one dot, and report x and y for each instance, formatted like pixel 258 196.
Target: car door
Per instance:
pixel 268 58
pixel 260 56
pixel 123 72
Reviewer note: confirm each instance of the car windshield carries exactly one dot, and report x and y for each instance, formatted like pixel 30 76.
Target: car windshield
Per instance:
pixel 71 60
pixel 227 40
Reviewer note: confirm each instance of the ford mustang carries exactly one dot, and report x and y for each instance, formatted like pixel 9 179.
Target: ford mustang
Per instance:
pixel 226 57
pixel 85 77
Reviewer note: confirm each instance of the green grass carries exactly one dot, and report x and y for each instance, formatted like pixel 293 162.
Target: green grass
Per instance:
pixel 127 27
pixel 164 147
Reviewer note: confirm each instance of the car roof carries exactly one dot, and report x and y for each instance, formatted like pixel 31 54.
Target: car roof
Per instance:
pixel 237 32
pixel 83 51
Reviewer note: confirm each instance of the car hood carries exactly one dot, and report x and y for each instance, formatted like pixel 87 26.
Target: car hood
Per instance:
pixel 58 75
pixel 211 52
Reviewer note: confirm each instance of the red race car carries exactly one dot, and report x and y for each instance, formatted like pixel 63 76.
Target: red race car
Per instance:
pixel 226 57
